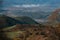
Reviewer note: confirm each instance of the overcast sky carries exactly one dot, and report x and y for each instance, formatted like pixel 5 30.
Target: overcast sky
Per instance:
pixel 45 4
pixel 19 2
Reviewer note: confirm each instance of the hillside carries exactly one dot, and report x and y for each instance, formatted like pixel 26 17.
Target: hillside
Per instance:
pixel 26 19
pixel 6 21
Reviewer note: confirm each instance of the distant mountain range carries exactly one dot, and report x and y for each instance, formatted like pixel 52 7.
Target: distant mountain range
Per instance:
pixel 33 12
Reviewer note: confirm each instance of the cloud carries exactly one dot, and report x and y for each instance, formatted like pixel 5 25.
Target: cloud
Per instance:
pixel 27 5
pixel 33 7
pixel 40 20
pixel 10 14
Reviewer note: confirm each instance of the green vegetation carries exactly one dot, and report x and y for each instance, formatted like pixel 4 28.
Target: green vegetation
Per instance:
pixel 6 21
pixel 26 20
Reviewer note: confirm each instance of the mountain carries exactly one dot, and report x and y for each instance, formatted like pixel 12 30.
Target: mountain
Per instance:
pixel 26 19
pixel 6 21
pixel 33 12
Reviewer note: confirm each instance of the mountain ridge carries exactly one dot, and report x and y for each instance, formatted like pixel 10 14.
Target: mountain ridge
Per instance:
pixel 6 21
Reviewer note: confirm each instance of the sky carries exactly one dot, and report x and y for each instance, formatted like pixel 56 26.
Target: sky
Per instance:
pixel 41 5
pixel 44 4
pixel 20 2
